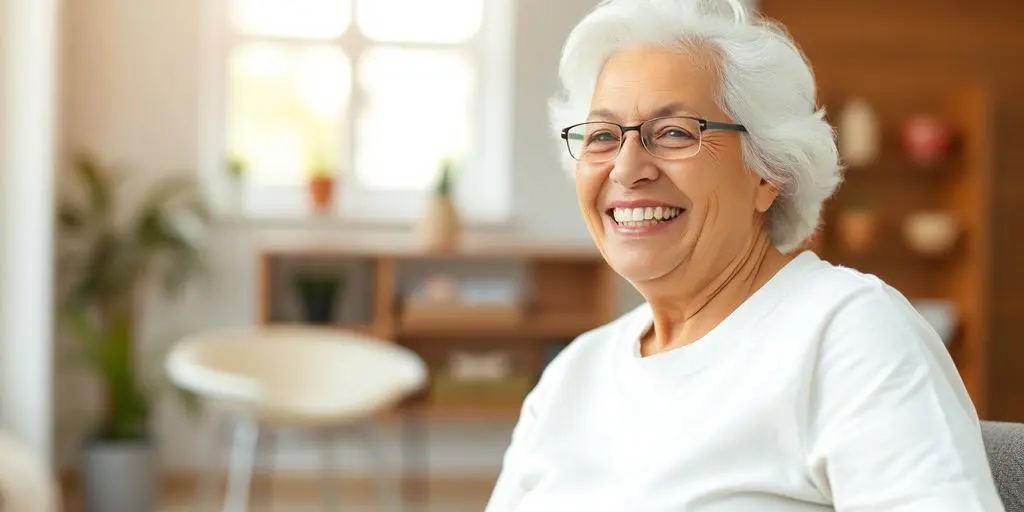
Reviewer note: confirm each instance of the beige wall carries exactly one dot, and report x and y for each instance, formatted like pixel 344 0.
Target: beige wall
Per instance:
pixel 131 93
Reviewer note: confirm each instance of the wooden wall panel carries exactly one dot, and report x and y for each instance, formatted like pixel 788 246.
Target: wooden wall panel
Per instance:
pixel 978 42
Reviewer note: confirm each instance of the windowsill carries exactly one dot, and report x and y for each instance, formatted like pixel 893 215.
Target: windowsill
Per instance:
pixel 343 222
pixel 314 233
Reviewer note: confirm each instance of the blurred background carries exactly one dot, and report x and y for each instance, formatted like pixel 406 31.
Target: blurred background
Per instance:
pixel 385 170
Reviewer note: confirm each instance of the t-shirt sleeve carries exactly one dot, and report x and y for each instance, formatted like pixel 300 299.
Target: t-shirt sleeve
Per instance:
pixel 890 425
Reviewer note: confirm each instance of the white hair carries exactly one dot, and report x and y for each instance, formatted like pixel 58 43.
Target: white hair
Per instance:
pixel 766 85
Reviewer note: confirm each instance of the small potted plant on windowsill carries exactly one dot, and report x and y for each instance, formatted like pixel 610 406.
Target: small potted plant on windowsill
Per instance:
pixel 322 177
pixel 440 226
pixel 321 190
pixel 237 168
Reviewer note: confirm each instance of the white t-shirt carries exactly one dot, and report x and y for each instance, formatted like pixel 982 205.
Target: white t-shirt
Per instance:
pixel 823 391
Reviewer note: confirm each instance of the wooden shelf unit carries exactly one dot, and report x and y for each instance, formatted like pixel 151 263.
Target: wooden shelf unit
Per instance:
pixel 565 292
pixel 897 188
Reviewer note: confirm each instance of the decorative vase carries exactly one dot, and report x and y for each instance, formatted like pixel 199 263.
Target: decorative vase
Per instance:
pixel 859 133
pixel 856 229
pixel 931 233
pixel 926 140
pixel 440 227
pixel 321 191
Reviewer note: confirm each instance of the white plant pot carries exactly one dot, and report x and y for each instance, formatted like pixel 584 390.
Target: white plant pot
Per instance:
pixel 119 476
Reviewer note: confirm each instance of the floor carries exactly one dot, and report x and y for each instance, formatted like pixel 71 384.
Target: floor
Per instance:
pixel 450 495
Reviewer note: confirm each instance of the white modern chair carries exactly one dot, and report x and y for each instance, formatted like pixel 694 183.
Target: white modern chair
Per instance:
pixel 268 378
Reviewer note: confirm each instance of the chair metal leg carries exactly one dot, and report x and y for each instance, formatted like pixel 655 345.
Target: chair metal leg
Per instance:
pixel 267 451
pixel 210 463
pixel 389 493
pixel 243 457
pixel 415 459
pixel 327 471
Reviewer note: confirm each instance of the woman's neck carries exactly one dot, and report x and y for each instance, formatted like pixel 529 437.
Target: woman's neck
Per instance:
pixel 701 298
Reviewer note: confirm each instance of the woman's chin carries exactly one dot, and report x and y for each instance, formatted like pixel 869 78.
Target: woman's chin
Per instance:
pixel 639 266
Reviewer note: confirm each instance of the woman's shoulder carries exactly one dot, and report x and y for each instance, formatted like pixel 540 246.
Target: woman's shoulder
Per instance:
pixel 858 311
pixel 835 288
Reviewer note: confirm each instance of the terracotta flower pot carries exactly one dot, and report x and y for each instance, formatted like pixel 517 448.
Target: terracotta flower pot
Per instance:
pixel 321 191
pixel 856 230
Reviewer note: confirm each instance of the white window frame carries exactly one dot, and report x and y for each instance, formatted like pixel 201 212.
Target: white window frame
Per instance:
pixel 483 191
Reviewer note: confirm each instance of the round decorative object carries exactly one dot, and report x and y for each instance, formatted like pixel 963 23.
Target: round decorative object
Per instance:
pixel 931 233
pixel 927 140
pixel 441 288
pixel 859 133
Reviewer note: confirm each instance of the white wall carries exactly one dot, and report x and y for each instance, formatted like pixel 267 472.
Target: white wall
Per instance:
pixel 131 93
pixel 28 43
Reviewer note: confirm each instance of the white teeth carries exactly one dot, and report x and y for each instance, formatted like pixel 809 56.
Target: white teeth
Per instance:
pixel 642 214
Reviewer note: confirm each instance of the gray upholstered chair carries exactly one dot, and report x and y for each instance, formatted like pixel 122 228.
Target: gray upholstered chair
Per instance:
pixel 1004 443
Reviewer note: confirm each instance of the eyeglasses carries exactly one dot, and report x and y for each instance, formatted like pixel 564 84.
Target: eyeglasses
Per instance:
pixel 670 138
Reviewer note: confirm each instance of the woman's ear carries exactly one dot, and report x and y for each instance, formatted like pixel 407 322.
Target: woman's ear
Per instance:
pixel 765 195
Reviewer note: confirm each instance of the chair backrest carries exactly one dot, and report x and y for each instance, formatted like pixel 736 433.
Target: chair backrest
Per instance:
pixel 313 368
pixel 1004 443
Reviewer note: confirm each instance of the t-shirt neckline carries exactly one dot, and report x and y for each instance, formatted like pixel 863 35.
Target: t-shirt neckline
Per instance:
pixel 723 337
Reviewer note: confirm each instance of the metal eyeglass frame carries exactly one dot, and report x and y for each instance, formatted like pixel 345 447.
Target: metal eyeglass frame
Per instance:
pixel 704 125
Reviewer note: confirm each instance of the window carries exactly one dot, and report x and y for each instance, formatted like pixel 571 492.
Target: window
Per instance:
pixel 377 91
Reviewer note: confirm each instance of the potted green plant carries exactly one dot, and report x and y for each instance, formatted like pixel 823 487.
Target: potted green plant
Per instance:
pixel 322 175
pixel 440 226
pixel 321 189
pixel 237 169
pixel 318 292
pixel 110 253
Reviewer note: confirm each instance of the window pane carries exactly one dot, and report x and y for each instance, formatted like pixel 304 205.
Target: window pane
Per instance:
pixel 427 21
pixel 418 111
pixel 286 106
pixel 291 18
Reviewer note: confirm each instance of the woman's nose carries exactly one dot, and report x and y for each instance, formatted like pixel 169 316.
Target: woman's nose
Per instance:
pixel 633 165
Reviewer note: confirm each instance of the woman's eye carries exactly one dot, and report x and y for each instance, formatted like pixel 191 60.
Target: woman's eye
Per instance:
pixel 602 137
pixel 676 133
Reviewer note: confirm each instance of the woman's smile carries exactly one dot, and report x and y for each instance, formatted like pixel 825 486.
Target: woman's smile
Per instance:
pixel 646 219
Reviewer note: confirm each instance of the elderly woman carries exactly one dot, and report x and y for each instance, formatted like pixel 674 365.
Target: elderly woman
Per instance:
pixel 756 377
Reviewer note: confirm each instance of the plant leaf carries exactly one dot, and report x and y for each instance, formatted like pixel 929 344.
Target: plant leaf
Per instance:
pixel 98 183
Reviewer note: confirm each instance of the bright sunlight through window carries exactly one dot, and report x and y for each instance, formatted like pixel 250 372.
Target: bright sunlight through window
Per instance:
pixel 377 90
